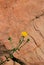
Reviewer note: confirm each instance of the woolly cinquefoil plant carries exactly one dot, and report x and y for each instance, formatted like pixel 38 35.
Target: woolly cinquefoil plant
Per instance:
pixel 10 52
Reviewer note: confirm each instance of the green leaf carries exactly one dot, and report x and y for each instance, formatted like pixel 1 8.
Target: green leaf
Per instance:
pixel 14 49
pixel 10 39
pixel 28 40
pixel 11 56
pixel 7 58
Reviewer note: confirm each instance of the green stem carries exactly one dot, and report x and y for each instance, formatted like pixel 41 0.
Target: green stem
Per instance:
pixel 3 61
pixel 14 50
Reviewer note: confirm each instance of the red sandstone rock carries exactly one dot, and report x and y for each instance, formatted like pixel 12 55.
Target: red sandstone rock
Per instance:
pixel 23 15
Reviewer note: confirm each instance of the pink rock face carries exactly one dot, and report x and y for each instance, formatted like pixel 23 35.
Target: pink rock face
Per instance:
pixel 23 15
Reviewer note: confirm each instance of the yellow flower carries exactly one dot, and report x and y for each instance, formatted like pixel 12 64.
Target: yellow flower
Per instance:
pixel 24 34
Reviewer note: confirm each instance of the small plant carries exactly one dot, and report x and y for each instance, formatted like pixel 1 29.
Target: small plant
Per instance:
pixel 23 35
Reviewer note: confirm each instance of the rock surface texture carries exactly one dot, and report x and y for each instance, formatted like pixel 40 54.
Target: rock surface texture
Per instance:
pixel 23 15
